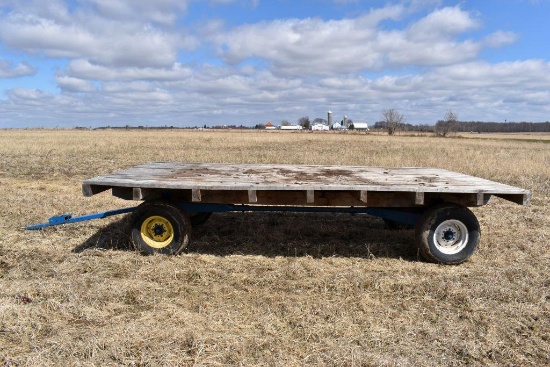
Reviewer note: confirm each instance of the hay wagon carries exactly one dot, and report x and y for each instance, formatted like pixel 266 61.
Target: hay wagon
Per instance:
pixel 177 196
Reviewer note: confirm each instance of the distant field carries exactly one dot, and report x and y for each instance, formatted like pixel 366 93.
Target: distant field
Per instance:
pixel 474 135
pixel 267 289
pixel 511 136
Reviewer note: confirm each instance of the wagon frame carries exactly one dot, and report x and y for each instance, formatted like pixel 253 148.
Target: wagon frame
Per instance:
pixel 176 196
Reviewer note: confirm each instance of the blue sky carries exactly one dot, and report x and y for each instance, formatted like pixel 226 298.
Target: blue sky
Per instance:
pixel 66 63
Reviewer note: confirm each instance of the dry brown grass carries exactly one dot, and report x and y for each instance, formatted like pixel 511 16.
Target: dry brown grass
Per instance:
pixel 266 289
pixel 508 136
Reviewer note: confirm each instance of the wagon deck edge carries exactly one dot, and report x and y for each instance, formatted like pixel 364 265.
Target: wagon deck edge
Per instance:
pixel 413 186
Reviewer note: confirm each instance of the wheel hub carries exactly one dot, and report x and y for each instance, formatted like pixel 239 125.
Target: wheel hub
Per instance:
pixel 157 231
pixel 451 237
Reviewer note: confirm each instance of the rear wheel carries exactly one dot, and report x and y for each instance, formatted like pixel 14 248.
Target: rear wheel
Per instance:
pixel 447 234
pixel 160 227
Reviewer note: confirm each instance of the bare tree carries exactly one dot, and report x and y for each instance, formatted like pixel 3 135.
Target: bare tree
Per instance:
pixel 451 116
pixel 447 126
pixel 304 122
pixel 393 120
pixel 285 123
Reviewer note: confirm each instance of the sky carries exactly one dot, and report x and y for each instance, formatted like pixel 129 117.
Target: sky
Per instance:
pixel 89 63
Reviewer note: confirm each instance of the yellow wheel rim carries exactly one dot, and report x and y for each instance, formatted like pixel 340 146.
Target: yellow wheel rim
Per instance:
pixel 157 232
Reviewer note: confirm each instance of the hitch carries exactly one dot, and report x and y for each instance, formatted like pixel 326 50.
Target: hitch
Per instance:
pixel 68 218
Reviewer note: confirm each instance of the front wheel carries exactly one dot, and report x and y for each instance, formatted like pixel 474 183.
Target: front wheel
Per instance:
pixel 160 227
pixel 447 234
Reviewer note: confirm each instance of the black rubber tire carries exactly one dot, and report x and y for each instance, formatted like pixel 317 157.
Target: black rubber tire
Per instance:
pixel 199 218
pixel 160 227
pixel 452 223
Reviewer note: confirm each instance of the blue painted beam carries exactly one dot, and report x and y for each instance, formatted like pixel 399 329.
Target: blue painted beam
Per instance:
pixel 397 215
pixel 68 218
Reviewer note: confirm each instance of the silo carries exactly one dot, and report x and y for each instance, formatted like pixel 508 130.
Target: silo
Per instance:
pixel 329 118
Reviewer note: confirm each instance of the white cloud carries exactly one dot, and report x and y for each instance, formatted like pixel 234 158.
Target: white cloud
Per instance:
pixel 68 84
pixel 164 12
pixel 500 38
pixel 125 66
pixel 309 46
pixel 49 28
pixel 507 76
pixel 84 69
pixel 126 87
pixel 24 97
pixel 8 70
pixel 476 90
pixel 156 97
pixel 442 24
pixel 317 47
pixel 29 94
pixel 415 5
pixel 99 41
pixel 51 9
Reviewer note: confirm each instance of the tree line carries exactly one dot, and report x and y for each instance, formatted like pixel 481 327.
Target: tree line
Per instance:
pixel 394 121
pixel 496 127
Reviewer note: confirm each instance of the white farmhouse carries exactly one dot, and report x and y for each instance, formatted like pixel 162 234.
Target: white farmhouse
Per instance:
pixel 319 127
pixel 361 126
pixel 291 127
pixel 338 126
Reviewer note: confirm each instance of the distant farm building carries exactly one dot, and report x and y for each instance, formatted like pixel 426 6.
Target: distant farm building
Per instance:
pixel 320 127
pixel 292 127
pixel 269 126
pixel 338 126
pixel 361 126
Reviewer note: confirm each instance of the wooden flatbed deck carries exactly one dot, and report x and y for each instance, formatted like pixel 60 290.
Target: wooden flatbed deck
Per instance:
pixel 301 185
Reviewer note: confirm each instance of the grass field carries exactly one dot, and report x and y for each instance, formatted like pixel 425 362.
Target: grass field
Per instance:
pixel 266 289
pixel 543 137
